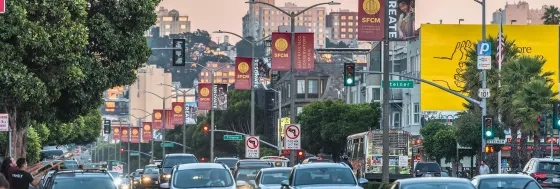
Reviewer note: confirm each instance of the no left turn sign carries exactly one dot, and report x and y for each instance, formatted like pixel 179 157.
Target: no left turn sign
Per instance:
pixel 292 141
pixel 292 132
pixel 252 142
pixel 252 149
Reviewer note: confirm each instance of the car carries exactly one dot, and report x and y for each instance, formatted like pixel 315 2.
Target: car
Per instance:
pixel 315 160
pixel 545 171
pixel 427 169
pixel 202 175
pixel 46 177
pixel 136 178
pixel 82 179
pixel 322 175
pixel 247 169
pixel 116 177
pixel 171 160
pixel 433 182
pixel 269 178
pixel 505 181
pixel 231 162
pixel 150 177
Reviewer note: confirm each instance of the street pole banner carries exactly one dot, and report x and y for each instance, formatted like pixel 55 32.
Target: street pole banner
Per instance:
pixel 371 16
pixel 169 119
pixel 146 131
pixel 178 113
pixel 220 96
pixel 157 119
pixel 243 67
pixel 2 6
pixel 403 29
pixel 252 147
pixel 124 134
pixel 293 137
pixel 116 133
pixel 281 51
pixel 135 135
pixel 4 123
pixel 205 96
pixel 190 113
pixel 305 52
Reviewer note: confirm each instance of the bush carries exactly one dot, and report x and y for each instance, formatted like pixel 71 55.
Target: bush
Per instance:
pixel 375 185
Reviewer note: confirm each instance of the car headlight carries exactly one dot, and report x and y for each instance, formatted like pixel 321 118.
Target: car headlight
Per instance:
pixel 167 176
pixel 135 182
pixel 118 181
pixel 146 179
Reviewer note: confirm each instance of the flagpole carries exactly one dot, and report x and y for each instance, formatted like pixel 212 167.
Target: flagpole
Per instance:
pixel 500 57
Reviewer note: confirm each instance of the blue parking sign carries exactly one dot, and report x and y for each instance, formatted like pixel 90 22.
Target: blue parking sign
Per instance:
pixel 484 49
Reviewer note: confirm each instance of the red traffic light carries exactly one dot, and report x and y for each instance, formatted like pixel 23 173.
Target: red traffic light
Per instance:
pixel 539 119
pixel 349 68
pixel 488 121
pixel 122 150
pixel 202 159
pixel 300 153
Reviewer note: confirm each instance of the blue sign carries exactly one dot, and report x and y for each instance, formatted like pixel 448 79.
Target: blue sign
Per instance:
pixel 484 48
pixel 504 163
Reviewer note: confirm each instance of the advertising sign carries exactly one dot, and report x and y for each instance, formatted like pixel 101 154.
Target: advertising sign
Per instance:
pixel 401 20
pixel 178 113
pixel 146 131
pixel 169 119
pixel 135 135
pixel 4 123
pixel 190 113
pixel 252 147
pixel 220 96
pixel 305 52
pixel 281 51
pixel 444 53
pixel 204 96
pixel 243 73
pixel 124 134
pixel 116 133
pixel 292 140
pixel 157 119
pixel 371 16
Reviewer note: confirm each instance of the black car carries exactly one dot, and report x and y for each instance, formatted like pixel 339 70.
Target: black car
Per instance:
pixel 228 161
pixel 427 169
pixel 136 178
pixel 150 177
pixel 171 160
pixel 546 171
pixel 82 179
pixel 247 170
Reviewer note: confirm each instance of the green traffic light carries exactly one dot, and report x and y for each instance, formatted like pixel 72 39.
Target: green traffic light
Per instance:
pixel 349 81
pixel 488 133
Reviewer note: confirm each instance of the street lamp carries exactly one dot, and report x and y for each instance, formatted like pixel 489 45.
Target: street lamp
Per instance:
pixel 278 137
pixel 163 119
pixel 253 69
pixel 483 101
pixel 293 16
pixel 461 20
pixel 149 114
pixel 184 94
pixel 139 142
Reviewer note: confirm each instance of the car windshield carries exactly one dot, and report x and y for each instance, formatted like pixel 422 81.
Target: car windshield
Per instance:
pixel 151 170
pixel 137 173
pixel 72 165
pixel 312 176
pixel 427 167
pixel 438 185
pixel 84 183
pixel 549 166
pixel 503 183
pixel 317 160
pixel 49 154
pixel 229 162
pixel 248 173
pixel 275 177
pixel 114 174
pixel 178 160
pixel 202 178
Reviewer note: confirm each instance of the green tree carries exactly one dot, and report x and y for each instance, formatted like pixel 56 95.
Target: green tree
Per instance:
pixel 551 15
pixel 34 146
pixel 326 124
pixel 430 141
pixel 331 44
pixel 469 122
pixel 244 48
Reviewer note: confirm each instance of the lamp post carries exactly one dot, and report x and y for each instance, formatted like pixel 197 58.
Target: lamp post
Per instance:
pixel 152 142
pixel 163 120
pixel 278 137
pixel 461 20
pixel 139 142
pixel 293 84
pixel 253 70
pixel 184 94
pixel 483 101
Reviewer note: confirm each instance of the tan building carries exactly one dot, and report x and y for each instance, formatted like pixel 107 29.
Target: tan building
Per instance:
pixel 149 81
pixel 252 30
pixel 170 22
pixel 344 25
pixel 519 13
pixel 226 75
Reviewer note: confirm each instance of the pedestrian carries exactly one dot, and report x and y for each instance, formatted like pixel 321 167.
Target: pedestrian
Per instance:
pixel 21 179
pixel 4 184
pixel 347 162
pixel 483 170
pixel 8 167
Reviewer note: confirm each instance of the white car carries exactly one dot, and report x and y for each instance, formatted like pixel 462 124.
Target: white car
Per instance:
pixel 202 175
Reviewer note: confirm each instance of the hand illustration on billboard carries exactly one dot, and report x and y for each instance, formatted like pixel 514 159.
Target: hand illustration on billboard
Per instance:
pixel 463 47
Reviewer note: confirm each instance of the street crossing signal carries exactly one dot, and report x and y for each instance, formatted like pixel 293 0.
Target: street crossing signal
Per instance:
pixel 205 129
pixel 541 120
pixel 489 149
pixel 488 128
pixel 179 55
pixel 556 116
pixel 106 126
pixel 349 74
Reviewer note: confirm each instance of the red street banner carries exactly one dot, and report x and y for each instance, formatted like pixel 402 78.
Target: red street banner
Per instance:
pixel 178 113
pixel 124 134
pixel 280 51
pixel 146 132
pixel 305 52
pixel 243 73
pixel 157 117
pixel 116 133
pixel 204 96
pixel 2 6
pixel 371 16
pixel 169 119
pixel 135 135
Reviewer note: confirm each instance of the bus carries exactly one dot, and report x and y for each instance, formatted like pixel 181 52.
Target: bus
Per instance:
pixel 279 161
pixel 365 152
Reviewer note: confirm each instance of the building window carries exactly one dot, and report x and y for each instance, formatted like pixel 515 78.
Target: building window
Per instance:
pixel 299 109
pixel 407 117
pixel 342 29
pixel 167 26
pixel 396 119
pixel 376 94
pixel 350 29
pixel 300 88
pixel 167 18
pixel 167 33
pixel 416 113
pixel 351 36
pixel 343 36
pixel 343 23
pixel 312 88
pixel 343 17
pixel 350 23
pixel 183 26
pixel 289 91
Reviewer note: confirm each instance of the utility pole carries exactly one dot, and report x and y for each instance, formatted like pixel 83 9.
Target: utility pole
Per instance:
pixel 483 101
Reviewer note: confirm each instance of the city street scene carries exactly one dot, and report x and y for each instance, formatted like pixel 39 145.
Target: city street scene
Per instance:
pixel 279 94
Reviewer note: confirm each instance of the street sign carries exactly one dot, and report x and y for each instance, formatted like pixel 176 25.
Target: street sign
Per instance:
pixel 292 140
pixel 4 121
pixel 400 84
pixel 484 93
pixel 496 141
pixel 484 58
pixel 252 148
pixel 134 154
pixel 167 145
pixel 2 6
pixel 118 168
pixel 233 137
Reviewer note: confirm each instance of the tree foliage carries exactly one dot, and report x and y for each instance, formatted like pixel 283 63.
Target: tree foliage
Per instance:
pixel 326 124
pixel 551 15
pixel 244 48
pixel 331 44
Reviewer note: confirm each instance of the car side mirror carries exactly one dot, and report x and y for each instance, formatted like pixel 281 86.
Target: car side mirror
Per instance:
pixel 285 183
pixel 159 166
pixel 164 185
pixel 252 182
pixel 362 181
pixel 240 183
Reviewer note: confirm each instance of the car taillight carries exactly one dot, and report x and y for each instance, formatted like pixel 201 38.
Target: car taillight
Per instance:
pixel 539 175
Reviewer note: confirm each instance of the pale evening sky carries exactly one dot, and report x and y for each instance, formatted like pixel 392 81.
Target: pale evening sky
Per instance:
pixel 213 15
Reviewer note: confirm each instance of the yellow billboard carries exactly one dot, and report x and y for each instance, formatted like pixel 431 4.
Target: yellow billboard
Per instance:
pixel 443 49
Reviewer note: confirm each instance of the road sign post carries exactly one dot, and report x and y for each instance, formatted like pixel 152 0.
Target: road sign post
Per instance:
pixel 252 147
pixel 233 137
pixel 292 141
pixel 484 58
pixel 400 84
pixel 496 141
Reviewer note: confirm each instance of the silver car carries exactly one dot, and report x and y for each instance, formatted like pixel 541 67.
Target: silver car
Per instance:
pixel 270 178
pixel 202 175
pixel 322 176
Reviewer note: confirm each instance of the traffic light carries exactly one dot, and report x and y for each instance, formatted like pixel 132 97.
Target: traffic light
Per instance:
pixel 489 149
pixel 556 116
pixel 300 155
pixel 349 74
pixel 202 159
pixel 179 54
pixel 488 128
pixel 205 129
pixel 106 126
pixel 541 120
pixel 122 150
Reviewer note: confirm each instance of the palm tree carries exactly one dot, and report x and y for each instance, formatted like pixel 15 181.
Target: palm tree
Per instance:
pixel 551 15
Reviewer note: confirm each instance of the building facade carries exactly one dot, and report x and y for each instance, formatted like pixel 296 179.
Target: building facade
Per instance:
pixel 519 13
pixel 150 80
pixel 169 22
pixel 225 74
pixel 344 24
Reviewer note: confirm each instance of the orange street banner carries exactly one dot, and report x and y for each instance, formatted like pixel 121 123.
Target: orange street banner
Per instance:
pixel 204 96
pixel 146 131
pixel 280 51
pixel 169 119
pixel 124 134
pixel 116 133
pixel 157 119
pixel 305 52
pixel 135 135
pixel 371 18
pixel 178 113
pixel 243 73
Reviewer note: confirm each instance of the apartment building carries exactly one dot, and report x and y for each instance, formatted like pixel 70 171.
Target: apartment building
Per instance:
pixel 143 94
pixel 519 13
pixel 169 22
pixel 344 24
pixel 225 74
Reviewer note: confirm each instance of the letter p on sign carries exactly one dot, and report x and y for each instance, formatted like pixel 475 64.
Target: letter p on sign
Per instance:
pixel 484 49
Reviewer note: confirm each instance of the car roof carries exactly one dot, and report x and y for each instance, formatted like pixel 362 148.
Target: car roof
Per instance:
pixel 202 166
pixel 276 169
pixel 177 154
pixel 503 176
pixel 433 180
pixel 321 165
pixel 228 158
pixel 547 159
